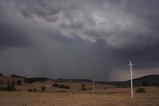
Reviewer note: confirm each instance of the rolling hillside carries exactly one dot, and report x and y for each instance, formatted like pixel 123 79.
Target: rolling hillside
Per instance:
pixel 150 80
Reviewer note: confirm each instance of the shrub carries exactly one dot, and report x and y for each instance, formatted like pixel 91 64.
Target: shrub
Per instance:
pixel 1 74
pixel 35 90
pixel 145 84
pixel 19 82
pixel 9 87
pixel 43 88
pixel 13 83
pixel 55 85
pixel 83 87
pixel 64 86
pixel 61 86
pixel 29 90
pixel 140 90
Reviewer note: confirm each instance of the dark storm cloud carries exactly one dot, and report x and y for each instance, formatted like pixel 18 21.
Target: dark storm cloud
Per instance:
pixel 11 37
pixel 81 39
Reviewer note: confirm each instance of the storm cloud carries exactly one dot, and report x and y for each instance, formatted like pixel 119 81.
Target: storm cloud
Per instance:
pixel 92 39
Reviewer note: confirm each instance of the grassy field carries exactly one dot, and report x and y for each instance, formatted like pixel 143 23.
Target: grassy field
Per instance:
pixel 107 97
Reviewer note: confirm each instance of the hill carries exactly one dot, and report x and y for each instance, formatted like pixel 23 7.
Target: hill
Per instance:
pixel 150 80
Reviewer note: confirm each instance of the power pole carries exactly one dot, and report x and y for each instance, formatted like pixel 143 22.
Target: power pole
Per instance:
pixel 131 77
pixel 93 87
pixel 71 86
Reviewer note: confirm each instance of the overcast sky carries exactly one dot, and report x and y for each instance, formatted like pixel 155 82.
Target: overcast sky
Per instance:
pixel 91 39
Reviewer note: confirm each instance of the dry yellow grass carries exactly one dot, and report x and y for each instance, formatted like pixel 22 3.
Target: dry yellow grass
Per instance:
pixel 75 86
pixel 117 98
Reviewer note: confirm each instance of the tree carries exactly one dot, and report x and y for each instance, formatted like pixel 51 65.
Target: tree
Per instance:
pixel 19 82
pixel 13 83
pixel 8 83
pixel 9 87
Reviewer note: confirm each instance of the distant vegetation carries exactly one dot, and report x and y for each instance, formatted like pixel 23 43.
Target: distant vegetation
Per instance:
pixel 1 74
pixel 19 82
pixel 29 90
pixel 140 90
pixel 61 86
pixel 73 80
pixel 146 84
pixel 83 87
pixel 33 90
pixel 8 87
pixel 32 80
pixel 43 88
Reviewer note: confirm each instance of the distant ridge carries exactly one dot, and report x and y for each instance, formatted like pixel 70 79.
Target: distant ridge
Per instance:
pixel 17 76
pixel 149 80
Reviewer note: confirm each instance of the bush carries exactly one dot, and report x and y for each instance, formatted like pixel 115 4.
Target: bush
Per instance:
pixel 29 90
pixel 145 84
pixel 43 89
pixel 35 90
pixel 55 85
pixel 19 82
pixel 64 86
pixel 32 90
pixel 140 90
pixel 1 74
pixel 83 87
pixel 9 87
pixel 61 86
